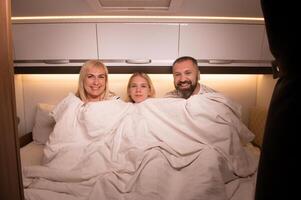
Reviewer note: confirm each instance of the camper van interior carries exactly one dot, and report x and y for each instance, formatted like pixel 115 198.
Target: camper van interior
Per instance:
pixel 52 40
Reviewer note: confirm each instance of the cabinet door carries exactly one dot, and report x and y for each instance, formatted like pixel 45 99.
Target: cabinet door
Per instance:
pixel 54 41
pixel 266 53
pixel 221 41
pixel 138 41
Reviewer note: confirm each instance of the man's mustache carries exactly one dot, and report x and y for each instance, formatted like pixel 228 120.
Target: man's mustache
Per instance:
pixel 183 82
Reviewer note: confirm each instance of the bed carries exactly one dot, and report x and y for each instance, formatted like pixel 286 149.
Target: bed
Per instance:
pixel 128 157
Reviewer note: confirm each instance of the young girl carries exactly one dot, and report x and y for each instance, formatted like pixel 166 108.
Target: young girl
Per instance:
pixel 139 88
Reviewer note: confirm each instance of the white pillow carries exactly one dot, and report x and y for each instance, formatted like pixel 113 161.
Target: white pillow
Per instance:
pixel 44 123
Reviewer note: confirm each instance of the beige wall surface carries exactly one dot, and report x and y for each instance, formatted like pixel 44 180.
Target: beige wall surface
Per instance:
pixel 265 87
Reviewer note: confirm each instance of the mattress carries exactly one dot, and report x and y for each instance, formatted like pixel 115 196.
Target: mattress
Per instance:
pixel 31 154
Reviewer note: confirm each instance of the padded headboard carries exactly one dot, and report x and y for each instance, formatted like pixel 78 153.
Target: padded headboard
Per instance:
pixel 52 88
pixel 257 120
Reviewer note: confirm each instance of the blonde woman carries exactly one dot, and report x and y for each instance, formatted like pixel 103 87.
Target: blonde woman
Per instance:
pixel 93 82
pixel 139 88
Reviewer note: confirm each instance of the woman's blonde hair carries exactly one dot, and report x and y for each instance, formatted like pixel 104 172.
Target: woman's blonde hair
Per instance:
pixel 149 82
pixel 81 92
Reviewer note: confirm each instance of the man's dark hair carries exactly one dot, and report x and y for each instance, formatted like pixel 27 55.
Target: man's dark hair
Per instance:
pixel 193 60
pixel 184 58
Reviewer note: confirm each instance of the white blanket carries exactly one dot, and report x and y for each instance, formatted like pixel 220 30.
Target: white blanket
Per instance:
pixel 165 149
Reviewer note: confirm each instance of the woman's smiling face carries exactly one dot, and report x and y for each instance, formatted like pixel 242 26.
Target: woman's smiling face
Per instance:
pixel 95 83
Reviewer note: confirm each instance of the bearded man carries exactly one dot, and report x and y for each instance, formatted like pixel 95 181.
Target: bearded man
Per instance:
pixel 186 75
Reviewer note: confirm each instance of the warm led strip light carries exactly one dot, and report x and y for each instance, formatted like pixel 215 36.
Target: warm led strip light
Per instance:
pixel 137 17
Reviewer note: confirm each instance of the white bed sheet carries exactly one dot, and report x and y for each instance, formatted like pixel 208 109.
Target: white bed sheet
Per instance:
pixel 246 189
pixel 32 154
pixel 102 158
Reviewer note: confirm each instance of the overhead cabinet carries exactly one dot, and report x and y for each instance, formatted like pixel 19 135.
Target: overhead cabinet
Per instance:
pixel 239 42
pixel 138 41
pixel 266 53
pixel 55 41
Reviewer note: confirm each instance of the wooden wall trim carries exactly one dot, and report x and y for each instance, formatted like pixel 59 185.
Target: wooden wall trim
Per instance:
pixel 10 173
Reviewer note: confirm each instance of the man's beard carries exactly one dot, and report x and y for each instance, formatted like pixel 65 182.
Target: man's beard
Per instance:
pixel 186 93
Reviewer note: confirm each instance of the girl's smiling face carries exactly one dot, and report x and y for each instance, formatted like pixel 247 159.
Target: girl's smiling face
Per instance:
pixel 139 89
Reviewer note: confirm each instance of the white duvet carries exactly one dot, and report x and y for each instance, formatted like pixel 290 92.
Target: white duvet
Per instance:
pixel 160 149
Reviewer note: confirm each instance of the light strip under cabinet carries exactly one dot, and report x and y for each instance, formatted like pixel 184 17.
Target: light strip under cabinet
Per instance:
pixel 137 18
